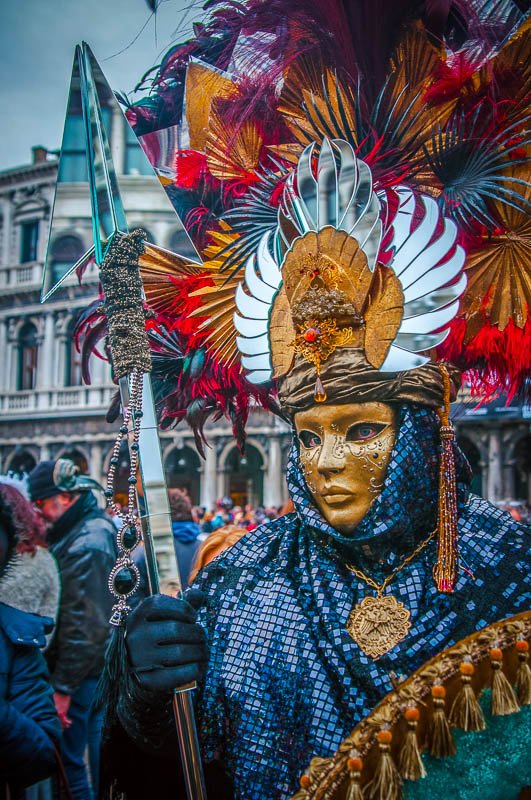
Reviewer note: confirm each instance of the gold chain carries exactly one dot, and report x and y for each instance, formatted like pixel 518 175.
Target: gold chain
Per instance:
pixel 369 581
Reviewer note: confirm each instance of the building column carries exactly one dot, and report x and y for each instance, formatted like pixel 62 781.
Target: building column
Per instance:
pixel 118 140
pixel 11 355
pixel 60 361
pixel 495 475
pixel 4 373
pixel 207 496
pixel 100 372
pixel 273 475
pixel 508 480
pixel 96 462
pixel 46 360
pixel 6 231
pixel 222 487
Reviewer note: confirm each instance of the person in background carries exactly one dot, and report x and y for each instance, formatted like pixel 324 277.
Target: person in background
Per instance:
pixel 32 582
pixel 185 532
pixel 82 539
pixel 29 727
pixel 206 523
pixel 216 543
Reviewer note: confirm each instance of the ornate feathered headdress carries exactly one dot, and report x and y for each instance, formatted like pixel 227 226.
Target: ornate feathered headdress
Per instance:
pixel 354 179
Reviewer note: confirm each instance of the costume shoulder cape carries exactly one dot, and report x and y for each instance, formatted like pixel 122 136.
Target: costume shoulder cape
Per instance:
pixel 285 682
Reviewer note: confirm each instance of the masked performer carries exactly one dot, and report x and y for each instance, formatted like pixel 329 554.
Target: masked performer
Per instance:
pixel 373 177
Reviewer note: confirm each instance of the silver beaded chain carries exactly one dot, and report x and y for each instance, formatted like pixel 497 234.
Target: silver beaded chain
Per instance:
pixel 124 577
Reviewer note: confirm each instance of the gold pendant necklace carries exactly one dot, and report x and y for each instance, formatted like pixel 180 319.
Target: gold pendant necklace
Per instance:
pixel 378 623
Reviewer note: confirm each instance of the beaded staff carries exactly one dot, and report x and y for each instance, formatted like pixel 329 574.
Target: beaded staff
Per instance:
pixel 131 360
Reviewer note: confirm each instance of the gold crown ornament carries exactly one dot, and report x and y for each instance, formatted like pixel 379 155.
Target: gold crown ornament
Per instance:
pixel 319 311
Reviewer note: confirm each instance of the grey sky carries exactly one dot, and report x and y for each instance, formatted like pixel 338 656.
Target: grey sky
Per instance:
pixel 37 41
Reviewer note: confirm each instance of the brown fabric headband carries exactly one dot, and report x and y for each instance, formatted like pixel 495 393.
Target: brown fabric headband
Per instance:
pixel 348 378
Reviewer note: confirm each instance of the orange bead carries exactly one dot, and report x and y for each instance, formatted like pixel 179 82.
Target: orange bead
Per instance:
pixel 354 764
pixel 466 668
pixel 439 692
pixel 522 646
pixel 384 737
pixel 412 714
pixel 496 654
pixel 304 781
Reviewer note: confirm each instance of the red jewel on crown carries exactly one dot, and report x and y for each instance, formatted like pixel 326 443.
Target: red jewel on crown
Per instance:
pixel 311 334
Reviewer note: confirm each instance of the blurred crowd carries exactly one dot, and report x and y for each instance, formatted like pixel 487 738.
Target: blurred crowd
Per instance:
pixel 226 513
pixel 57 549
pixel 518 509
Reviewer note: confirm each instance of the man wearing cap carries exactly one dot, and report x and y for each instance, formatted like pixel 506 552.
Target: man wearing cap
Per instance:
pixel 82 539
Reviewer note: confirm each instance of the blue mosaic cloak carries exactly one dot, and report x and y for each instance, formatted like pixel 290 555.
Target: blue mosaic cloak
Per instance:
pixel 285 682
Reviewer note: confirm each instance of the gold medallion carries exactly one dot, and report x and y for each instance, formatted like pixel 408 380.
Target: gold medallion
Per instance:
pixel 377 624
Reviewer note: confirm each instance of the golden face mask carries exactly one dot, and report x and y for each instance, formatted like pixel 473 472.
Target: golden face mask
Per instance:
pixel 344 453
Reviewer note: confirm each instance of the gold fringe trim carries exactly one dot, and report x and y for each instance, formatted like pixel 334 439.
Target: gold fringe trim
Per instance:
pixel 523 676
pixel 386 783
pixel 354 766
pixel 503 700
pixel 410 762
pixel 447 676
pixel 466 712
pixel 440 739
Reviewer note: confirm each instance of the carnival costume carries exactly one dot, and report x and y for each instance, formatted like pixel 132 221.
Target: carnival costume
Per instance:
pixel 354 182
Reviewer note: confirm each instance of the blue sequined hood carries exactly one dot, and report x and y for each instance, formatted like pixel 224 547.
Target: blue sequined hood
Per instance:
pixel 285 681
pixel 406 509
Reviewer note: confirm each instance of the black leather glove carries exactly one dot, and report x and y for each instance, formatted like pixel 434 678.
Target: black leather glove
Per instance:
pixel 166 646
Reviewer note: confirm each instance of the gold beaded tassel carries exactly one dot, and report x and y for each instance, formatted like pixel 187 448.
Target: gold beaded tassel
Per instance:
pixel 354 766
pixel 410 760
pixel 386 783
pixel 503 698
pixel 446 566
pixel 523 676
pixel 466 712
pixel 440 740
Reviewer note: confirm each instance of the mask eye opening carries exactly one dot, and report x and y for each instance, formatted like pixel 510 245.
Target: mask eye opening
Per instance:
pixel 309 439
pixel 364 431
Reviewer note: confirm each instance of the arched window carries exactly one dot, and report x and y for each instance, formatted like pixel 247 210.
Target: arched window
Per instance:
pixel 29 240
pixel 245 476
pixel 22 462
pixel 72 373
pixel 522 469
pixel 182 471
pixel 28 348
pixel 180 243
pixel 77 457
pixel 65 251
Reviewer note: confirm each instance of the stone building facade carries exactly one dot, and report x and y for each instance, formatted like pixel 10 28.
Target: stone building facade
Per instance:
pixel 46 411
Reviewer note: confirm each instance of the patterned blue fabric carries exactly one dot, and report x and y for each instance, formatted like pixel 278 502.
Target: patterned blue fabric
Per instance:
pixel 285 681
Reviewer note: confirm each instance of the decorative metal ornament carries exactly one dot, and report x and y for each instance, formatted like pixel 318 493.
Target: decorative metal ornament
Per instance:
pixel 377 624
pixel 324 261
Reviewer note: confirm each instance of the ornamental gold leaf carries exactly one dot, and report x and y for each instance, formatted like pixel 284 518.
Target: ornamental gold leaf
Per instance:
pixel 281 334
pixel 330 258
pixel 382 315
pixel 499 273
pixel 203 85
pixel 161 271
pixel 231 151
